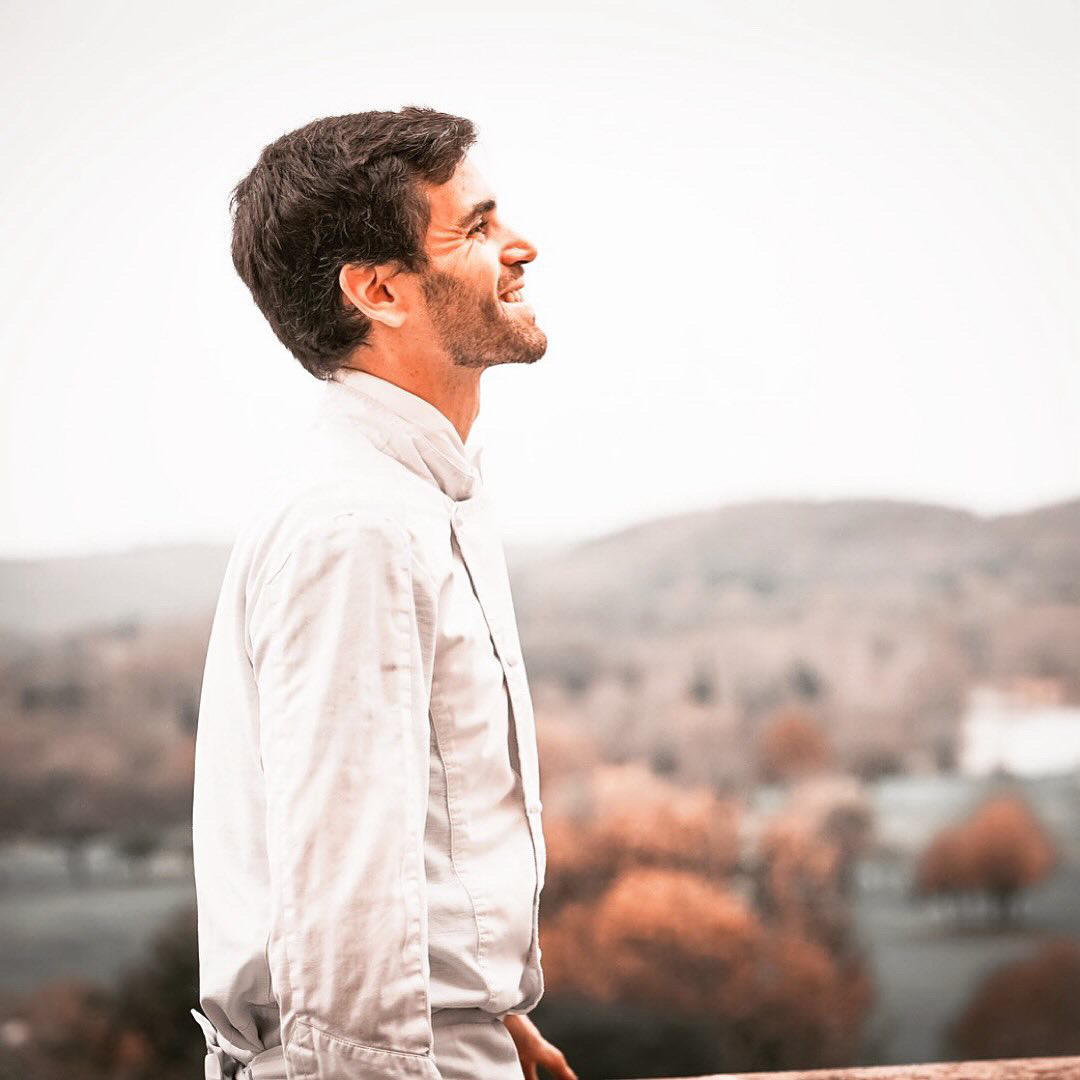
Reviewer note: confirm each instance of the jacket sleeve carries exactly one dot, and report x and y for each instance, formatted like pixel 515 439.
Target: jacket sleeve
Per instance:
pixel 341 640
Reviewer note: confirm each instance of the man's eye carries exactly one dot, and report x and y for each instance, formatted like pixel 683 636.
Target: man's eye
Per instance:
pixel 480 226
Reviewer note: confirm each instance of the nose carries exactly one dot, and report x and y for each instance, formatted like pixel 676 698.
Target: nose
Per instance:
pixel 518 250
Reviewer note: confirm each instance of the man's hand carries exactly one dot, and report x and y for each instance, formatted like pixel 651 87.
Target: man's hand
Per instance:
pixel 533 1049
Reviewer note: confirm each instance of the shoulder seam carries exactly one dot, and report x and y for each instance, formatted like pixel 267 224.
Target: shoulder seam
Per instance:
pixel 344 519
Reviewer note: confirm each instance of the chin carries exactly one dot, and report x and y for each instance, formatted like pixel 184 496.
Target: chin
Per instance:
pixel 535 348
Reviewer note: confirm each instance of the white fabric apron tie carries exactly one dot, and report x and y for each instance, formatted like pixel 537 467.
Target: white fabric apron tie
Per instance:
pixel 219 1065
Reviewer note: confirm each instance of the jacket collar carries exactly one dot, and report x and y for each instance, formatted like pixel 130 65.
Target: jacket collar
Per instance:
pixel 410 429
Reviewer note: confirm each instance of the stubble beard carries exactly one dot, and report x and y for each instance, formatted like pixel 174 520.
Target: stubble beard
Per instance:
pixel 474 330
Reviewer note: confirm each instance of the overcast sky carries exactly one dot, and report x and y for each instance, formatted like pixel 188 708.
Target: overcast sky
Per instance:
pixel 819 248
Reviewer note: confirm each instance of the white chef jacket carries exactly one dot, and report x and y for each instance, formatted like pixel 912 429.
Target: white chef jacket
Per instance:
pixel 367 837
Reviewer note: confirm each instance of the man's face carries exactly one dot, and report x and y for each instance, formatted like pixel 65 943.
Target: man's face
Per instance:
pixel 473 283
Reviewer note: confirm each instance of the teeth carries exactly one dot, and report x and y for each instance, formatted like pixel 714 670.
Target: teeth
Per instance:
pixel 513 297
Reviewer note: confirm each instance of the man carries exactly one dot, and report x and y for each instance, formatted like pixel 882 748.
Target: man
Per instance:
pixel 368 846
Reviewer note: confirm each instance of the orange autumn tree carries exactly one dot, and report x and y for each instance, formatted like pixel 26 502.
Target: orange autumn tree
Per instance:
pixel 791 745
pixel 641 918
pixel 946 866
pixel 666 941
pixel 627 817
pixel 1029 1008
pixel 804 868
pixel 999 851
pixel 643 820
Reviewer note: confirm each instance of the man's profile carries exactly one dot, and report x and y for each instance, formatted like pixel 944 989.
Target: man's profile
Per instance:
pixel 369 854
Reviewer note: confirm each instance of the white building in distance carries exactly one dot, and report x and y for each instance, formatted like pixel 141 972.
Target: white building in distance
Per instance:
pixel 1021 728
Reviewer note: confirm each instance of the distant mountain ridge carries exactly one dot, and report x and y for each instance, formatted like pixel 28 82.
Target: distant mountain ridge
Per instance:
pixel 786 546
pixel 43 597
pixel 767 545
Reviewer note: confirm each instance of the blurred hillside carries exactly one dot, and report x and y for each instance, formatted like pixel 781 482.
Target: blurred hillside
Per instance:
pixel 879 615
pixel 661 576
pixel 670 642
pixel 42 597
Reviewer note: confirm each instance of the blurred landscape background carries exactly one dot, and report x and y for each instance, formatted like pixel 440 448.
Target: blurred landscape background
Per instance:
pixel 811 781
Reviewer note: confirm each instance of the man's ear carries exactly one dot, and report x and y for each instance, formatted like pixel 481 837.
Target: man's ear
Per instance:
pixel 373 290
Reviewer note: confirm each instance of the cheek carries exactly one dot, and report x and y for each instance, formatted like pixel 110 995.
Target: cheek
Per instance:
pixel 479 265
pixel 476 268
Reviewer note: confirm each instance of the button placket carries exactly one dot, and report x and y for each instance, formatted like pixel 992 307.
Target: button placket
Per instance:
pixel 483 559
pixel 481 553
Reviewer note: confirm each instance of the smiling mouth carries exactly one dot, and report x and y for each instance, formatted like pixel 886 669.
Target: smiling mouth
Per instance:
pixel 515 296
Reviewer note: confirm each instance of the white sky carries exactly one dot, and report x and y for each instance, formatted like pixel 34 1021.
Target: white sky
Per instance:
pixel 815 248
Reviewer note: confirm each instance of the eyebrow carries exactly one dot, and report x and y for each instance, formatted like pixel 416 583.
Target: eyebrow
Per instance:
pixel 480 208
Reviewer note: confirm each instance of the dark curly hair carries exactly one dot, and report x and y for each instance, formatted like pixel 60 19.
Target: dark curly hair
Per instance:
pixel 343 189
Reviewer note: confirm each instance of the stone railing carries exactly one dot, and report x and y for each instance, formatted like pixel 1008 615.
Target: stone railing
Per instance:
pixel 1060 1068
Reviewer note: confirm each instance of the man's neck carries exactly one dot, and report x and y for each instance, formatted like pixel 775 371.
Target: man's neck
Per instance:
pixel 457 397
